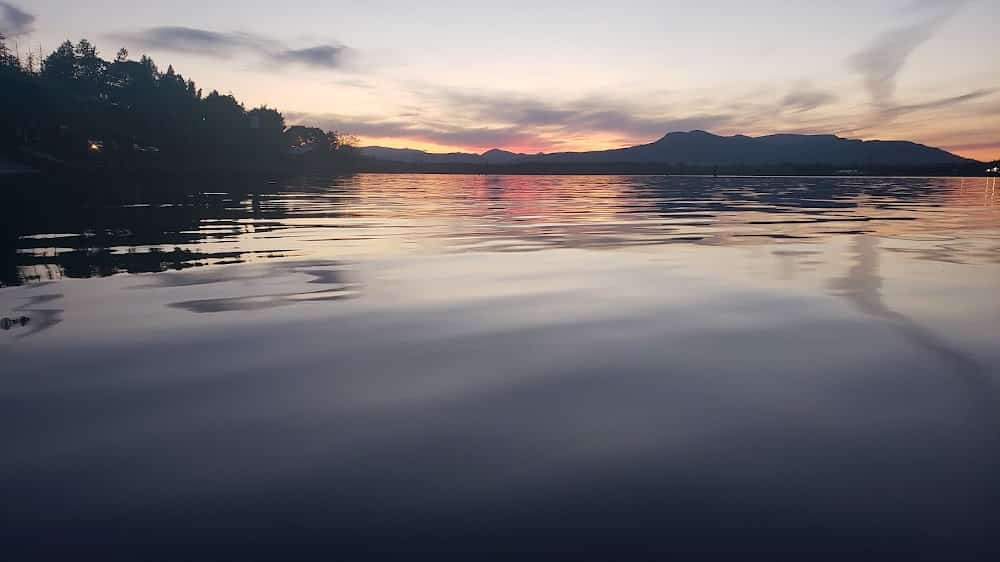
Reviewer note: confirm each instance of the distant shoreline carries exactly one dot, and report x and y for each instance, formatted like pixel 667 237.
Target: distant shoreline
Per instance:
pixel 42 165
pixel 259 179
pixel 948 170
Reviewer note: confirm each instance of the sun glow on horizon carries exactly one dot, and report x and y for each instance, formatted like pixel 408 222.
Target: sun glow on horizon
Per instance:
pixel 577 145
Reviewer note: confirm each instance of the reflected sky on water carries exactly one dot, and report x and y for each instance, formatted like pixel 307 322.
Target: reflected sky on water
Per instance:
pixel 97 231
pixel 463 366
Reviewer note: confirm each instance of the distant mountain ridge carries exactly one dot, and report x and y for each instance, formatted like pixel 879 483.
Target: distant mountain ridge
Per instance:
pixel 700 148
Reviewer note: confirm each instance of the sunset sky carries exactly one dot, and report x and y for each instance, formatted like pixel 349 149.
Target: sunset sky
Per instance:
pixel 558 75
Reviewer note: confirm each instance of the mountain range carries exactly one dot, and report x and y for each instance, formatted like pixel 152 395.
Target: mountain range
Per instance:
pixel 700 148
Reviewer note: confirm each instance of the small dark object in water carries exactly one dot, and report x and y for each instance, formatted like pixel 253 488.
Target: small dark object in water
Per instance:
pixel 8 323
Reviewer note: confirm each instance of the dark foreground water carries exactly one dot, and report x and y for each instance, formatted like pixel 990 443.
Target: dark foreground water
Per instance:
pixel 533 368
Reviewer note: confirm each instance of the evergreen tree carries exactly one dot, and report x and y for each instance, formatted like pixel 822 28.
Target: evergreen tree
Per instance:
pixel 60 66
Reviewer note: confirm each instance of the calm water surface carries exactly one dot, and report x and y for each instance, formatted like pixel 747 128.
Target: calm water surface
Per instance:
pixel 539 368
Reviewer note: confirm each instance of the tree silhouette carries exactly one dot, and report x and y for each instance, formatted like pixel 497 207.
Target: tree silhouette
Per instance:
pixel 60 66
pixel 84 111
pixel 8 61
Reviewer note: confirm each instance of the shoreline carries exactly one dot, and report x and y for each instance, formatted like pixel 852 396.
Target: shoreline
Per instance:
pixel 40 168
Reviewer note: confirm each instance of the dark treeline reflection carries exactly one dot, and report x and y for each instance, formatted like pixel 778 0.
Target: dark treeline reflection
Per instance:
pixel 73 109
pixel 54 230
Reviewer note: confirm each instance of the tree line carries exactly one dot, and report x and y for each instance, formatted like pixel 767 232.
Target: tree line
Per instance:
pixel 74 109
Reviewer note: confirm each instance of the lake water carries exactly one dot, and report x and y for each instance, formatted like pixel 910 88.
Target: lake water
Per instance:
pixel 523 367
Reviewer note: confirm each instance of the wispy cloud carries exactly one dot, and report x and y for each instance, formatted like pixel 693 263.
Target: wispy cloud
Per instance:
pixel 207 43
pixel 195 41
pixel 422 131
pixel 804 97
pixel 881 61
pixel 15 21
pixel 476 120
pixel 480 120
pixel 610 116
pixel 323 56
pixel 943 102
